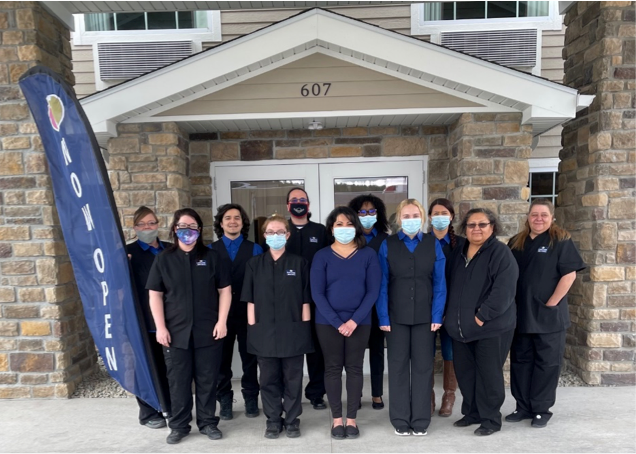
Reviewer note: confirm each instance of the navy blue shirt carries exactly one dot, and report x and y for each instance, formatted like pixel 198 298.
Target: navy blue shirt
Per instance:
pixel 232 246
pixel 345 288
pixel 439 279
pixel 371 235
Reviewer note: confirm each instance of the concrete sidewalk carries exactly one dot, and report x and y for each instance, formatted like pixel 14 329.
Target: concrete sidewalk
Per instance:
pixel 586 420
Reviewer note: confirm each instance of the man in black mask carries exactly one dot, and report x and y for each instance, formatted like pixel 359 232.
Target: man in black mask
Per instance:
pixel 305 240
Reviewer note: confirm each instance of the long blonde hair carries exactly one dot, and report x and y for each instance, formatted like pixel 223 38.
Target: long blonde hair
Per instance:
pixel 556 233
pixel 405 202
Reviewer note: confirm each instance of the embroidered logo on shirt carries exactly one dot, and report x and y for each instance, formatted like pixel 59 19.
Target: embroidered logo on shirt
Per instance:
pixel 291 273
pixel 543 249
pixel 313 239
pixel 202 263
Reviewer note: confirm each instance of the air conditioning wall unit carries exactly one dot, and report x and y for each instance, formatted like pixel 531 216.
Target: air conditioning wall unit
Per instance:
pixel 127 60
pixel 517 48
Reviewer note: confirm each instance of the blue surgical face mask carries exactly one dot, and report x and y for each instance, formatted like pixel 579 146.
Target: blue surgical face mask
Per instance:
pixel 368 221
pixel 276 242
pixel 344 235
pixel 440 222
pixel 187 236
pixel 411 226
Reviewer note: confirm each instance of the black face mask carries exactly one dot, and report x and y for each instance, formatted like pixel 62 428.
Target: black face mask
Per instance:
pixel 298 210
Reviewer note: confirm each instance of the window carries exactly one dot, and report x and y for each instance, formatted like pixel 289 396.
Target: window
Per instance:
pixel 167 20
pixel 543 178
pixel 435 11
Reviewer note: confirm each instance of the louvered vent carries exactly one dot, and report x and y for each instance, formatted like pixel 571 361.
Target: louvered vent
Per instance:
pixel 128 60
pixel 516 48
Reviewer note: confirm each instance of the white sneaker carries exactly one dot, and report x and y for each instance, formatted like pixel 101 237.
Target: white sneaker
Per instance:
pixel 420 434
pixel 402 432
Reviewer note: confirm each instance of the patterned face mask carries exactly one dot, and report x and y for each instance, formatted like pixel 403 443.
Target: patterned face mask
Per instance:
pixel 187 236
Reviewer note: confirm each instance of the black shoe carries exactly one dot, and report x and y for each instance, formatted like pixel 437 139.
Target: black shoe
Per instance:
pixel 156 423
pixel 293 430
pixel 338 432
pixel 377 405
pixel 352 431
pixel 517 416
pixel 251 407
pixel 540 421
pixel 176 437
pixel 225 413
pixel 403 431
pixel 273 430
pixel 483 431
pixel 420 432
pixel 212 432
pixel 463 422
pixel 318 403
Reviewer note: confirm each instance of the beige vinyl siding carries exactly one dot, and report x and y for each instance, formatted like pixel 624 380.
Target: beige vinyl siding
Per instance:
pixel 84 70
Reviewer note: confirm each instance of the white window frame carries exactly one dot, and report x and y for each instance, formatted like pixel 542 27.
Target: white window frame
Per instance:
pixel 212 33
pixel 544 165
pixel 419 26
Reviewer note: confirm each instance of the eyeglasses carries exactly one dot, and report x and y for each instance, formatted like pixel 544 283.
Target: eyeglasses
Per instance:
pixel 370 212
pixel 272 233
pixel 481 225
pixel 143 225
pixel 188 226
pixel 301 200
pixel 540 215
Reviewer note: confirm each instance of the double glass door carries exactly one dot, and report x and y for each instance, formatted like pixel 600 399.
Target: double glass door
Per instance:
pixel 262 188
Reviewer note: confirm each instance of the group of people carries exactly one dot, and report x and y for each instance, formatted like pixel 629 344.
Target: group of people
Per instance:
pixel 326 293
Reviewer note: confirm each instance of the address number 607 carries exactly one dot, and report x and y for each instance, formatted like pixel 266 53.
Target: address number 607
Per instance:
pixel 315 89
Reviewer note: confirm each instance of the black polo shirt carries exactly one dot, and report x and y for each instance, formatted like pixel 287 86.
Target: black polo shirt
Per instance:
pixel 306 240
pixel 190 285
pixel 278 289
pixel 541 267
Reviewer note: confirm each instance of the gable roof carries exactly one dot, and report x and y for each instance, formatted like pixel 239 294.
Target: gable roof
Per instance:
pixel 493 87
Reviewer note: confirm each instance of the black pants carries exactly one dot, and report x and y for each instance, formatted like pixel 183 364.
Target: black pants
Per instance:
pixel 184 365
pixel 535 366
pixel 281 388
pixel 347 352
pixel 376 356
pixel 315 365
pixel 479 370
pixel 146 412
pixel 410 351
pixel 237 330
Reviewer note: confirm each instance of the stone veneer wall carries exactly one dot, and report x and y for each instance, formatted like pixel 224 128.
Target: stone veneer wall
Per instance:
pixel 45 346
pixel 596 189
pixel 324 143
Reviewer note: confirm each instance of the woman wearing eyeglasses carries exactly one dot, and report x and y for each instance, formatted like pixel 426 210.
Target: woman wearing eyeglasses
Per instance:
pixel 142 255
pixel 410 309
pixel 276 289
pixel 345 282
pixel 548 262
pixel 481 317
pixel 191 323
pixel 372 215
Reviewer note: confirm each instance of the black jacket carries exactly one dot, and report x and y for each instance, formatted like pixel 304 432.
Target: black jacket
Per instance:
pixel 141 261
pixel 484 288
pixel 307 241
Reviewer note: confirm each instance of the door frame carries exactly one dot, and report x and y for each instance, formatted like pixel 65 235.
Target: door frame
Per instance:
pixel 276 166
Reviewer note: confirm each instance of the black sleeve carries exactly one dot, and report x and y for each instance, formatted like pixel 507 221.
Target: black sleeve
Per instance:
pixel 325 236
pixel 569 258
pixel 305 282
pixel 222 270
pixel 505 272
pixel 247 292
pixel 155 277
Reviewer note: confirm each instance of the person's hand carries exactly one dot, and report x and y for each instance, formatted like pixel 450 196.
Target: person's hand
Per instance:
pixel 163 337
pixel 479 322
pixel 348 328
pixel 386 328
pixel 220 331
pixel 550 303
pixel 129 256
pixel 435 326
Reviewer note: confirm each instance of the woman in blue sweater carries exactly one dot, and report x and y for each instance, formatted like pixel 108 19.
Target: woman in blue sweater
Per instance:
pixel 345 283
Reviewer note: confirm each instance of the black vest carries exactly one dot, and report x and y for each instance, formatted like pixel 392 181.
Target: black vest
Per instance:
pixel 377 240
pixel 410 280
pixel 245 252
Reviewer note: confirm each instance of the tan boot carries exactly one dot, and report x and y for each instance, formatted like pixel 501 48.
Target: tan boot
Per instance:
pixel 450 386
pixel 433 396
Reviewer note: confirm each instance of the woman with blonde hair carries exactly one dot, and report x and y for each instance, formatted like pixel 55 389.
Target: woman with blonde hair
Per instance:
pixel 548 261
pixel 410 309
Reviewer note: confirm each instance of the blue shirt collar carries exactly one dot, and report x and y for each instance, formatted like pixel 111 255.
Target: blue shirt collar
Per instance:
pixel 229 242
pixel 372 234
pixel 445 240
pixel 146 246
pixel 402 235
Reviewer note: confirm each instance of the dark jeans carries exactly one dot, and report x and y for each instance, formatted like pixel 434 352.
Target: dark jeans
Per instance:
pixel 184 365
pixel 237 330
pixel 315 365
pixel 410 350
pixel 281 388
pixel 479 371
pixel 348 353
pixel 446 342
pixel 376 356
pixel 535 365
pixel 146 412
